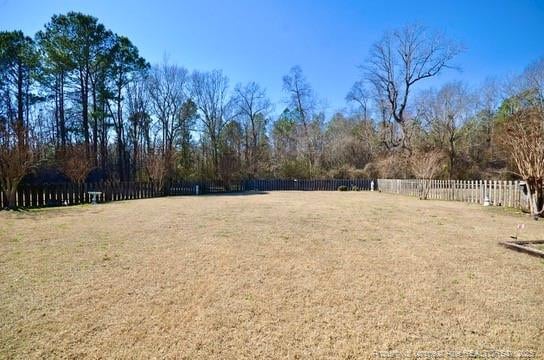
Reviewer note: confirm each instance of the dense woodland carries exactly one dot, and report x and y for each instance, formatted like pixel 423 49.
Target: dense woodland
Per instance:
pixel 79 103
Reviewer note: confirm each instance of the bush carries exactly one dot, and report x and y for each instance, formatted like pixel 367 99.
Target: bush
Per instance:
pixel 370 171
pixel 295 169
pixel 395 166
pixel 346 172
pixel 342 188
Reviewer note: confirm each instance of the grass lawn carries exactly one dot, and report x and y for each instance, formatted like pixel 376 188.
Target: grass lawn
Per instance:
pixel 540 247
pixel 279 275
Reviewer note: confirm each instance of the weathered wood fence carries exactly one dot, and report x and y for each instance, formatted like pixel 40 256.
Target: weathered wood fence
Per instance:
pixel 75 194
pixel 203 187
pixel 497 192
pixel 210 187
pixel 307 185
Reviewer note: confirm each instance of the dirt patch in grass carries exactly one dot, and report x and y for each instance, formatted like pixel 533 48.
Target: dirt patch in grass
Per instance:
pixel 281 275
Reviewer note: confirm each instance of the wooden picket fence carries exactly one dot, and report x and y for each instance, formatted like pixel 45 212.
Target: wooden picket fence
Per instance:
pixel 497 192
pixel 75 194
pixel 307 185
pixel 212 187
pixel 203 187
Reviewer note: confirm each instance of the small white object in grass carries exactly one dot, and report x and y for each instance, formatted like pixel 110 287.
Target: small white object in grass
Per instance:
pixel 519 227
pixel 486 201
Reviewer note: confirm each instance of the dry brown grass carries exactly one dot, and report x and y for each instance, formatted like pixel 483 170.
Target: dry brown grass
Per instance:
pixel 281 275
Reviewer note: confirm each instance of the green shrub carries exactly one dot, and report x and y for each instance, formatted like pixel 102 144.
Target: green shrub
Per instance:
pixel 342 188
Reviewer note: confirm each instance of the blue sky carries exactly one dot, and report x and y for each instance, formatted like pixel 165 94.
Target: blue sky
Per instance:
pixel 260 40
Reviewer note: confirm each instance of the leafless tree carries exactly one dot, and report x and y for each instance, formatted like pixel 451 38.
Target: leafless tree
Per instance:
pixel 167 93
pixel 74 163
pixel 524 134
pixel 139 120
pixel 360 95
pixel 532 80
pixel 302 102
pixel 425 166
pixel 444 112
pixel 349 143
pixel 253 107
pixel 156 168
pixel 209 91
pixel 488 99
pixel 403 58
pixel 16 158
pixel 230 163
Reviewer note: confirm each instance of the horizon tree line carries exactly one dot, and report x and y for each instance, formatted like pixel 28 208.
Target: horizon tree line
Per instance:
pixel 79 103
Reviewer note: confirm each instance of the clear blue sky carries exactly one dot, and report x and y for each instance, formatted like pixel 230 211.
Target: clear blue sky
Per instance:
pixel 261 39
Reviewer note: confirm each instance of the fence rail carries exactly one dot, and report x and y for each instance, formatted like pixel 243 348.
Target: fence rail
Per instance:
pixel 75 194
pixel 307 185
pixel 203 187
pixel 497 192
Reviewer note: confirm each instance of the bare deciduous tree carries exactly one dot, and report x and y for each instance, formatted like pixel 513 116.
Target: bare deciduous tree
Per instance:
pixel 210 93
pixel 300 95
pixel 302 102
pixel 403 58
pixel 523 136
pixel 156 167
pixel 74 162
pixel 425 166
pixel 253 107
pixel 360 95
pixel 523 132
pixel 16 160
pixel 139 120
pixel 167 93
pixel 348 143
pixel 443 113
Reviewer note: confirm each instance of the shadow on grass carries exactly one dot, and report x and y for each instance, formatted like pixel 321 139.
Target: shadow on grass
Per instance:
pixel 33 210
pixel 236 193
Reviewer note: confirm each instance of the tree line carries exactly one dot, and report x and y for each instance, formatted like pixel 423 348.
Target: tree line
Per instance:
pixel 78 102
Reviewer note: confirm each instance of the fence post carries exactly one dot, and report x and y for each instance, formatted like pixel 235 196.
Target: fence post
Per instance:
pixel 484 192
pixel 509 194
pixel 495 188
pixel 516 194
pixel 501 194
